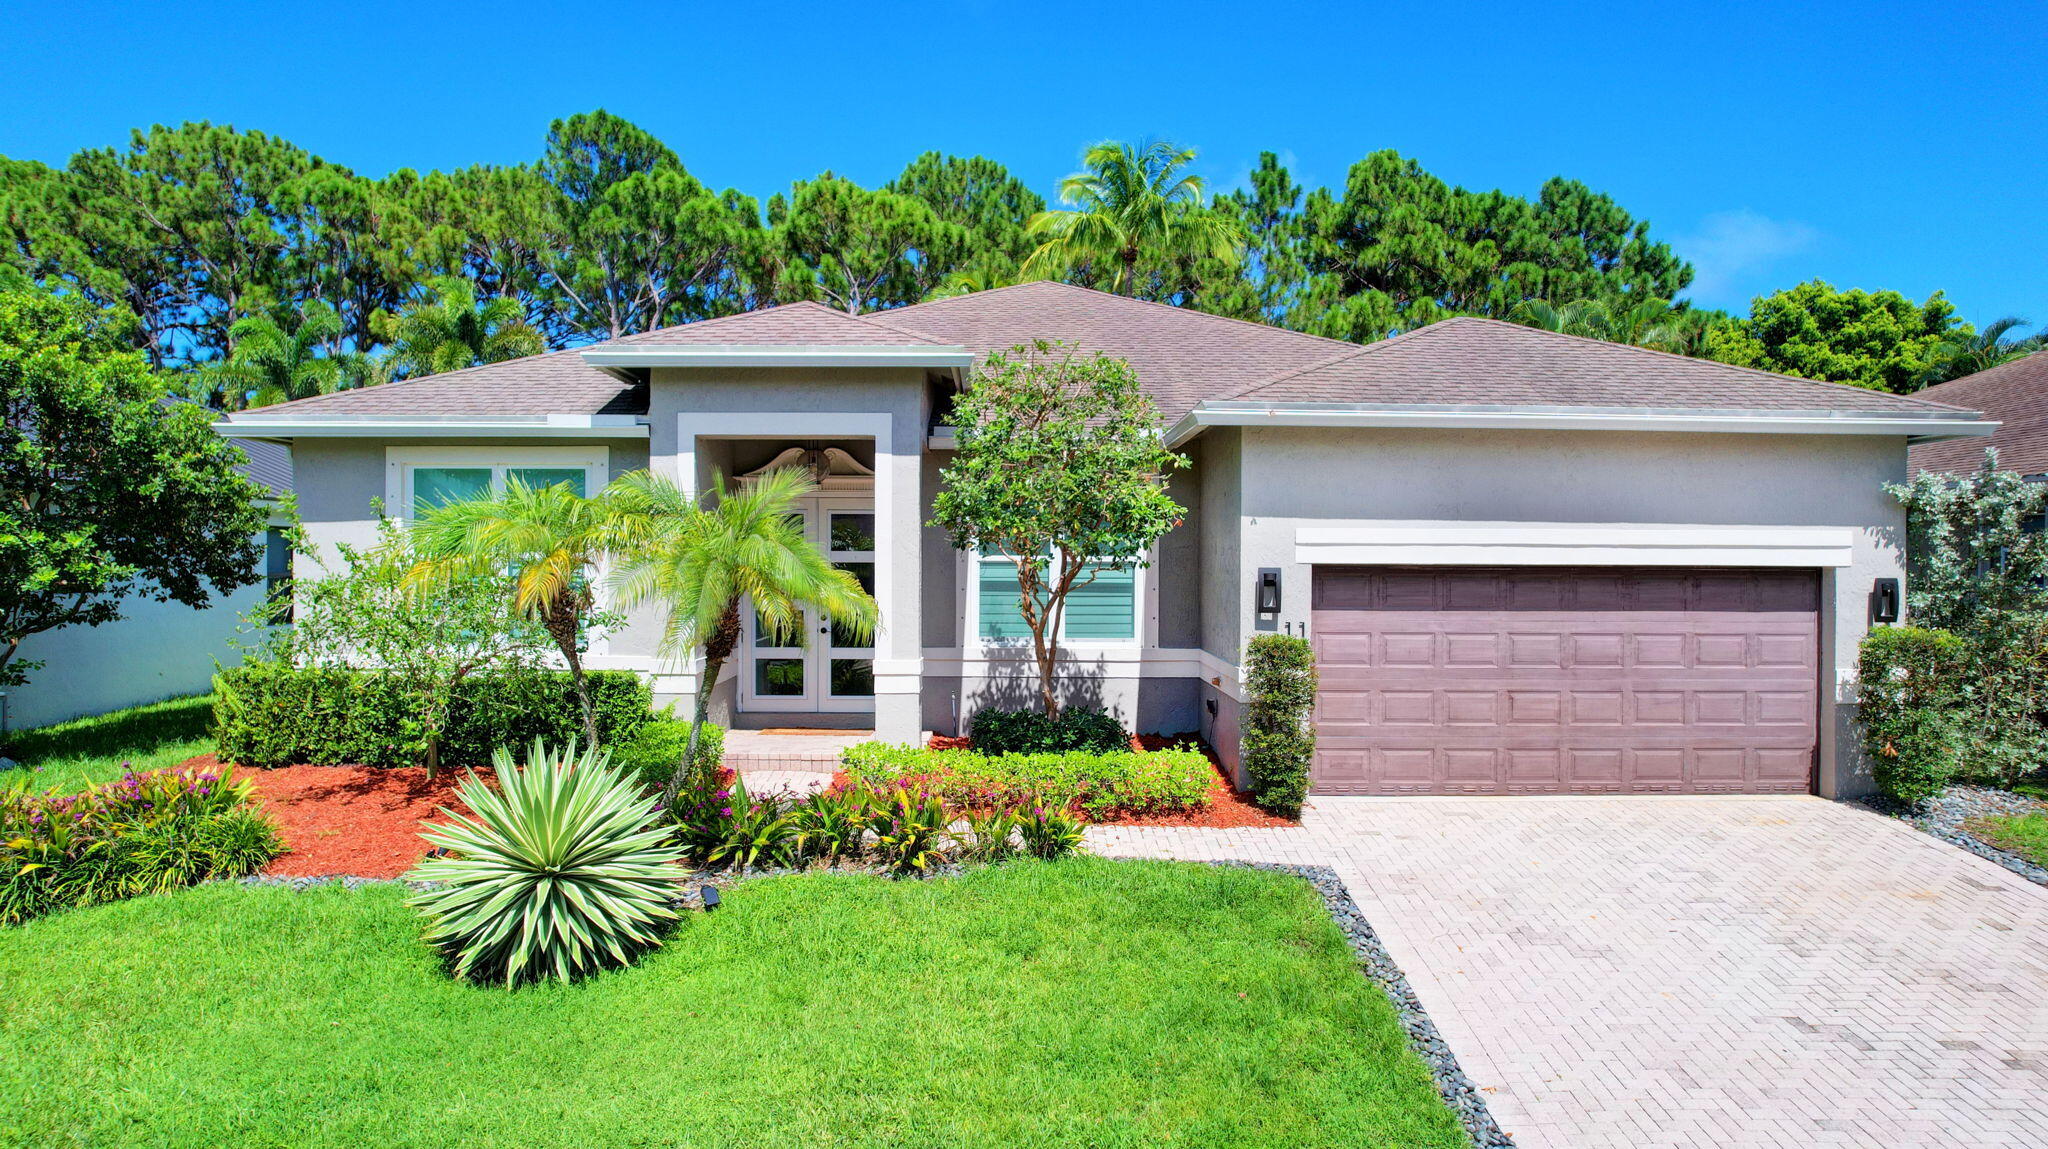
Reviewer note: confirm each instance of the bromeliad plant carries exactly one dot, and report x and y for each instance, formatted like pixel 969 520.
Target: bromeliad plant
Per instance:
pixel 911 830
pixel 561 871
pixel 145 832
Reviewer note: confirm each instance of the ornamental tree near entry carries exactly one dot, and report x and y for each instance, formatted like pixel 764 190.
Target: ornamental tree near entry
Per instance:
pixel 106 492
pixel 1061 469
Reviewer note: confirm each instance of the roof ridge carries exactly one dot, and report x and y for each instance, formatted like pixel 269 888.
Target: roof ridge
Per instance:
pixel 1271 328
pixel 1354 350
pixel 792 305
pixel 1651 351
pixel 870 318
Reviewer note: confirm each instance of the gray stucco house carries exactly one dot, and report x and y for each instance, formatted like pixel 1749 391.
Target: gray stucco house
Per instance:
pixel 1528 562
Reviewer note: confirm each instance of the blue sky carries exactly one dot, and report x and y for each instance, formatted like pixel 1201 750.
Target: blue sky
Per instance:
pixel 1873 145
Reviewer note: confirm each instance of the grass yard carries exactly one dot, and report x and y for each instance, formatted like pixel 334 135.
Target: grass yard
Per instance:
pixel 70 755
pixel 1078 1003
pixel 2025 835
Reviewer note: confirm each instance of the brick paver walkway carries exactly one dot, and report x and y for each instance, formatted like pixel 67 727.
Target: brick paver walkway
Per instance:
pixel 1724 971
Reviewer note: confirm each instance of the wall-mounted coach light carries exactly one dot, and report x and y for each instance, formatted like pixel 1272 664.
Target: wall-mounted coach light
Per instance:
pixel 1884 600
pixel 1268 590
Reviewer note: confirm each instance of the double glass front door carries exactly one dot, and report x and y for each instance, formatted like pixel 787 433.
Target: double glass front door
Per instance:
pixel 819 668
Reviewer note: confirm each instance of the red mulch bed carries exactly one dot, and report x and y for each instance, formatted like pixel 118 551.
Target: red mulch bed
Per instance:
pixel 357 820
pixel 1227 808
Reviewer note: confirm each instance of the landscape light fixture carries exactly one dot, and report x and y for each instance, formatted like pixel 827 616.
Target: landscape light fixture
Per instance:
pixel 710 898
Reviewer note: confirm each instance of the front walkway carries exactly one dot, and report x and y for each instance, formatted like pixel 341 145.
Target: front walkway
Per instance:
pixel 1724 971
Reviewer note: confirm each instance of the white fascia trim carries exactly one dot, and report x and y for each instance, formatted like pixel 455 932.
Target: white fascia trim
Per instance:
pixel 1409 542
pixel 769 355
pixel 1919 428
pixel 434 427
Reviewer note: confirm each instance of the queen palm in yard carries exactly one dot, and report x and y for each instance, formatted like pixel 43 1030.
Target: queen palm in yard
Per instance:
pixel 1135 202
pixel 452 331
pixel 700 557
pixel 551 537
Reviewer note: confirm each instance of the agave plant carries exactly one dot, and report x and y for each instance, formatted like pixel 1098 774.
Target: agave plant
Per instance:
pixel 561 871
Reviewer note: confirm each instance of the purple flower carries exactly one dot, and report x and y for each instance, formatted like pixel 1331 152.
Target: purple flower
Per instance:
pixel 724 794
pixel 725 811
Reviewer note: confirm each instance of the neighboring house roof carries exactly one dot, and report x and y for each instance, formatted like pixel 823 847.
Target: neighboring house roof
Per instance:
pixel 1188 361
pixel 2016 394
pixel 269 464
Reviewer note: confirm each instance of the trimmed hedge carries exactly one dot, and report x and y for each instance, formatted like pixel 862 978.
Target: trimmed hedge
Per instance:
pixel 1279 742
pixel 1124 782
pixel 652 753
pixel 1090 730
pixel 269 715
pixel 1911 709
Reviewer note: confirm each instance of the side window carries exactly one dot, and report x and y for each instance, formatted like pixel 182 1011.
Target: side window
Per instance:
pixel 277 571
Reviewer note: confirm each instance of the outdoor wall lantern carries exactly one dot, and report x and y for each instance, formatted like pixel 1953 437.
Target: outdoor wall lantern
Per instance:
pixel 1268 590
pixel 1884 600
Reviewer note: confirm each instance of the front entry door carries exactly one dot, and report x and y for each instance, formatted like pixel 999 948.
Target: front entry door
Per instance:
pixel 821 669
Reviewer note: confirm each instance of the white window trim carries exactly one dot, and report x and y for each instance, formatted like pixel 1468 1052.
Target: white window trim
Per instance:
pixel 401 462
pixel 1144 616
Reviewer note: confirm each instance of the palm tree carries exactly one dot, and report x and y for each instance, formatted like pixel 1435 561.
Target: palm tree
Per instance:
pixel 271 365
pixel 1587 317
pixel 451 330
pixel 700 557
pixel 1958 356
pixel 1134 202
pixel 552 537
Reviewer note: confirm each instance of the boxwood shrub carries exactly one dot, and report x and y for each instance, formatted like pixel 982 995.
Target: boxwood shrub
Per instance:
pixel 1088 729
pixel 1121 782
pixel 271 715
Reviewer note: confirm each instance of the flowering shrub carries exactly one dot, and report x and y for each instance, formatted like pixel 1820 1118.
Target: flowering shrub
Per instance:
pixel 1130 781
pixel 142 833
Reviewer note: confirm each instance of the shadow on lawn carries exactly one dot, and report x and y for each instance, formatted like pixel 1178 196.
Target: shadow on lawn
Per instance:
pixel 128 734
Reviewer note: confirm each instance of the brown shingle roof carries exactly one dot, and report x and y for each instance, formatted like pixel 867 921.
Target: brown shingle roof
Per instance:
pixel 791 324
pixel 555 383
pixel 1182 356
pixel 1484 361
pixel 2015 394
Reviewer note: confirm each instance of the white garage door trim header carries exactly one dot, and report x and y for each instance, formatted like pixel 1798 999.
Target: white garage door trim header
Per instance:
pixel 1401 542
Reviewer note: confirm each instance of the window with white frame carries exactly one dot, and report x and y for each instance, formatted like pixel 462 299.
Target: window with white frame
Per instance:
pixel 1100 610
pixel 420 478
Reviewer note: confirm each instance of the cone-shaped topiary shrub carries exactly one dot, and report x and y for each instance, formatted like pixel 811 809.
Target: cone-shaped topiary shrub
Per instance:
pixel 563 870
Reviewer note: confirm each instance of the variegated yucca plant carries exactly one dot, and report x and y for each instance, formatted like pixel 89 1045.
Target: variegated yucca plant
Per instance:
pixel 562 870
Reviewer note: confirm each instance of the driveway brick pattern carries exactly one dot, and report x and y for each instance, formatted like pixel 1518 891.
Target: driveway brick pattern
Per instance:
pixel 1695 971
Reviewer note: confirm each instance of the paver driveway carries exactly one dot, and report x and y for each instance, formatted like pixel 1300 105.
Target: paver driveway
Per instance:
pixel 1696 971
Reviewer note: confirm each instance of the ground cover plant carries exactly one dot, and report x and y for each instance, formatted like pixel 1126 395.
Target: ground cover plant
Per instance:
pixel 145 832
pixel 2022 834
pixel 1078 1003
pixel 1100 785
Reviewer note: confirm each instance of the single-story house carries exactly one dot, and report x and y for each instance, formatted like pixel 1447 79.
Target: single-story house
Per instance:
pixel 1528 562
pixel 2016 394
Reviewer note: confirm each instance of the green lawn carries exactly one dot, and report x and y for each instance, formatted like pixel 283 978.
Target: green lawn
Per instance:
pixel 85 750
pixel 1077 1003
pixel 2025 835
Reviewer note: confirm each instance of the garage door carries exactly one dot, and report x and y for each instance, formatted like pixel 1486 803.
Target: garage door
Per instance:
pixel 1545 680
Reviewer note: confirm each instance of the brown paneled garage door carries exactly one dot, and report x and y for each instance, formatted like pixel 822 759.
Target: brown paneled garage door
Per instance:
pixel 1541 680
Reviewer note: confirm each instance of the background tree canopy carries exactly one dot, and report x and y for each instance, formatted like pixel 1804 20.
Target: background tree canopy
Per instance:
pixel 259 272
